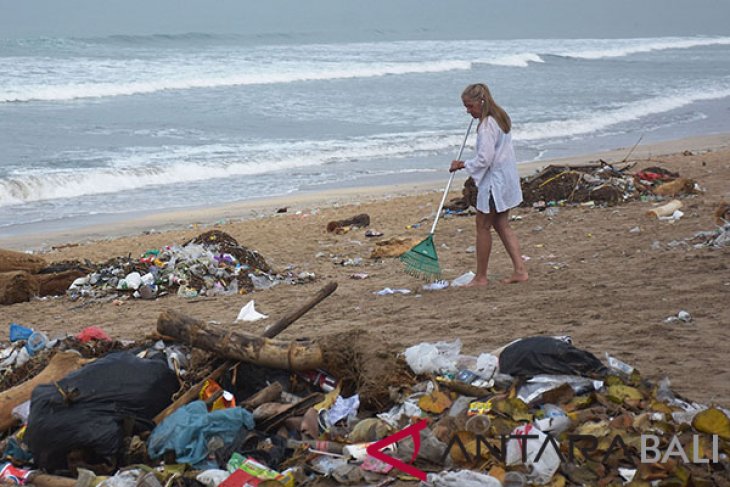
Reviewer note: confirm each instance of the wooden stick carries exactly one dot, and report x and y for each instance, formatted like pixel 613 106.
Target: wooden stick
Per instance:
pixel 270 393
pixel 46 480
pixel 192 393
pixel 290 318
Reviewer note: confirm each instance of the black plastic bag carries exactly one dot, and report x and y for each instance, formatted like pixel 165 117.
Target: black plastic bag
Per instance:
pixel 547 355
pixel 90 410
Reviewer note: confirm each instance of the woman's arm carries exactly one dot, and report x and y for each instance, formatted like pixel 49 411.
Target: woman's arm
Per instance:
pixel 487 136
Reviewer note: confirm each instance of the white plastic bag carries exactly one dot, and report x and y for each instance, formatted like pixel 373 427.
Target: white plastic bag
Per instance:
pixel 542 470
pixel 461 478
pixel 248 313
pixel 212 477
pixel 433 357
pixel 487 365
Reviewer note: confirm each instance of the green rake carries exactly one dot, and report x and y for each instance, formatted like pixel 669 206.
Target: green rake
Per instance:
pixel 421 260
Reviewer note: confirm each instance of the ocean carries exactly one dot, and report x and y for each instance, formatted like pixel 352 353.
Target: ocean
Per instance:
pixel 113 126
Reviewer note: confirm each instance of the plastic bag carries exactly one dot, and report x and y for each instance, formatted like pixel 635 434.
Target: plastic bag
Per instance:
pixel 487 366
pixel 547 355
pixel 116 387
pixel 542 470
pixel 187 430
pixel 433 357
pixel 461 478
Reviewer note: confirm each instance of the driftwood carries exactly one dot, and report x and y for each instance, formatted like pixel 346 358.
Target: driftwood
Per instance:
pixel 270 393
pixel 245 347
pixel 296 409
pixel 56 283
pixel 290 318
pixel 666 209
pixel 361 220
pixel 17 287
pixel 265 394
pixel 11 260
pixel 45 480
pixel 62 364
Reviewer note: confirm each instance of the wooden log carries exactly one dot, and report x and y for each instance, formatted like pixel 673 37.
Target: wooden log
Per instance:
pixel 297 409
pixel 301 355
pixel 56 284
pixel 465 389
pixel 290 318
pixel 17 287
pixel 270 393
pixel 265 394
pixel 62 364
pixel 666 209
pixel 10 260
pixel 45 480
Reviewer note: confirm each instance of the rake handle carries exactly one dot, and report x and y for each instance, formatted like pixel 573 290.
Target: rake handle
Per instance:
pixel 451 179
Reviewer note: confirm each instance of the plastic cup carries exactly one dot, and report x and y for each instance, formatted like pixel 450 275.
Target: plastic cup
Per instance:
pixel 514 479
pixel 36 342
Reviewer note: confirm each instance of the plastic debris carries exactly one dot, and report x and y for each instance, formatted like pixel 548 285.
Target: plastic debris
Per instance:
pixel 248 313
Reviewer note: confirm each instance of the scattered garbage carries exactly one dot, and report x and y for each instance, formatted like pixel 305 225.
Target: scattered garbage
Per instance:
pixel 463 279
pixel 249 313
pixel 720 237
pixel 388 291
pixel 435 286
pixel 496 418
pixel 683 316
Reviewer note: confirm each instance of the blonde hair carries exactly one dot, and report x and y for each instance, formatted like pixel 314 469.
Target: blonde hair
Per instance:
pixel 480 92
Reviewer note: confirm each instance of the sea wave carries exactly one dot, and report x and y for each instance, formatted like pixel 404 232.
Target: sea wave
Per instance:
pixel 71 91
pixel 597 121
pixel 173 165
pixel 626 47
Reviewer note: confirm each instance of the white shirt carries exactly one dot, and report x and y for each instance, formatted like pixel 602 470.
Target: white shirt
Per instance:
pixel 494 168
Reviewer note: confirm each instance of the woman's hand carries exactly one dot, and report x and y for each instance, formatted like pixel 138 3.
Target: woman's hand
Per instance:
pixel 456 165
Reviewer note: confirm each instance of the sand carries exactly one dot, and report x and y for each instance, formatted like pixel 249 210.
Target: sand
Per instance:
pixel 593 276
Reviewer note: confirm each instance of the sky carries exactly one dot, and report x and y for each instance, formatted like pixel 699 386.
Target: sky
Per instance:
pixel 356 20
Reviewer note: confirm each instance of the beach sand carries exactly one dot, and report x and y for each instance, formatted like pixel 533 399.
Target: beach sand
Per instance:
pixel 592 275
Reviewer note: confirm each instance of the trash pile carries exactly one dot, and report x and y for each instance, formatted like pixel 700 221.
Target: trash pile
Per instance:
pixel 579 184
pixel 602 183
pixel 213 407
pixel 211 264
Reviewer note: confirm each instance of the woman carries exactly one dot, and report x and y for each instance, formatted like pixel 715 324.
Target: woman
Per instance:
pixel 494 170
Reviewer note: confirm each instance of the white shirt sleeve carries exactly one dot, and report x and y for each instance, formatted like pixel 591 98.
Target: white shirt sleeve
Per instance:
pixel 487 137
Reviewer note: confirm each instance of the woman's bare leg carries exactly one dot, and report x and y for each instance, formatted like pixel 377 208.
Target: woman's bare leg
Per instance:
pixel 512 245
pixel 484 248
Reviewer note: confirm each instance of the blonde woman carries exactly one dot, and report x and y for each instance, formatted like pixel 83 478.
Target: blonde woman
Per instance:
pixel 494 170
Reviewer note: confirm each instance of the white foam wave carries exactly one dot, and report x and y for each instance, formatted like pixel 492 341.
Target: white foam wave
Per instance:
pixel 180 165
pixel 595 122
pixel 521 60
pixel 73 91
pixel 625 47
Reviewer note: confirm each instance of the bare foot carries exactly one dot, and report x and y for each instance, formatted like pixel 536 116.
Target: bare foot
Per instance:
pixel 516 277
pixel 478 282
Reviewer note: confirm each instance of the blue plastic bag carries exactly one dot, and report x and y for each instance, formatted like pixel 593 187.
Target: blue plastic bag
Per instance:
pixel 187 430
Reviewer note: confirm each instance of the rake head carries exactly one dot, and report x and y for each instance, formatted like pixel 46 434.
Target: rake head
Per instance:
pixel 421 261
